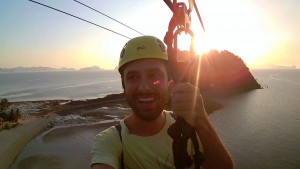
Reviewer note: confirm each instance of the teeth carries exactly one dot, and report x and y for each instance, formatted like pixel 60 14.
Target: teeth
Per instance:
pixel 146 100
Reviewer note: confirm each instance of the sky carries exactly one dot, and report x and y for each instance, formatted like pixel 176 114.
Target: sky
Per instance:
pixel 261 32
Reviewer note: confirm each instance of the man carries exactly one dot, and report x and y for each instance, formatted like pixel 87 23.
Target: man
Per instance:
pixel 147 87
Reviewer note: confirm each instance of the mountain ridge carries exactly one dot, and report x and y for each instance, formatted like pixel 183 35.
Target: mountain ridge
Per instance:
pixel 48 69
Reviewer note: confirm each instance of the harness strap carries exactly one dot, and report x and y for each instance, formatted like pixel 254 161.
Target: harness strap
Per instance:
pixel 198 156
pixel 119 129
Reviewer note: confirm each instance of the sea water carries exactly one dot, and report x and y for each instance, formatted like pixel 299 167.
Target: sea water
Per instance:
pixel 65 85
pixel 260 128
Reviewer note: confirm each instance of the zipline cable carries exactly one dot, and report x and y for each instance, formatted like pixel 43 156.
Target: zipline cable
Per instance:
pixel 108 17
pixel 198 14
pixel 80 19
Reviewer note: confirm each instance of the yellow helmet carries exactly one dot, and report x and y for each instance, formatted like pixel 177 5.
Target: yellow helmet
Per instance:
pixel 142 47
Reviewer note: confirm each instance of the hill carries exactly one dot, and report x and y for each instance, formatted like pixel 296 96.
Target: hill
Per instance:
pixel 47 69
pixel 218 73
pixel 28 69
pixel 92 68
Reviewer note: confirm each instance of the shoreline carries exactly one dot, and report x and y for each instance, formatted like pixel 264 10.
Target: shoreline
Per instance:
pixel 42 114
pixel 13 140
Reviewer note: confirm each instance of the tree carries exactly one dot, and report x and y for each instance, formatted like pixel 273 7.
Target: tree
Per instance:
pixel 18 115
pixel 13 116
pixel 4 104
pixel 1 122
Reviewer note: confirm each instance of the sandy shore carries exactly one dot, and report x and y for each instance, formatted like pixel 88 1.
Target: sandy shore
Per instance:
pixel 60 148
pixel 67 144
pixel 12 141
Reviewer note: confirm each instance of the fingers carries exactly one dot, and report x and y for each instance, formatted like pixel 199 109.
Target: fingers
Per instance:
pixel 186 98
pixel 186 102
pixel 184 88
pixel 189 107
pixel 183 97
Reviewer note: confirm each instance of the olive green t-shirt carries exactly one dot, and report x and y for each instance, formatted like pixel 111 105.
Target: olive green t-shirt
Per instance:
pixel 139 152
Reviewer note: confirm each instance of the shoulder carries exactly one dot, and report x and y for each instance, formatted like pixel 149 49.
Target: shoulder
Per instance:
pixel 106 147
pixel 110 134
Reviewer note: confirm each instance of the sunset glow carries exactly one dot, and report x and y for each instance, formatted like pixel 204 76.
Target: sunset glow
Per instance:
pixel 239 28
pixel 259 32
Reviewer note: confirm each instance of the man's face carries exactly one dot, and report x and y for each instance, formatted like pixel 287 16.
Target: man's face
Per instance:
pixel 146 87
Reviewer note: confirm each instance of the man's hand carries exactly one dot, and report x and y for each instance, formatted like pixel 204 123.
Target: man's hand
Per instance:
pixel 187 103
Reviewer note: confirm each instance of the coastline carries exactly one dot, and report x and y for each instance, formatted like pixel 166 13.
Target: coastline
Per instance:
pixel 109 110
pixel 13 140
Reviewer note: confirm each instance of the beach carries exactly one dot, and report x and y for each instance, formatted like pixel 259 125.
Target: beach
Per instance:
pixel 61 131
pixel 13 140
pixel 59 148
pixel 64 116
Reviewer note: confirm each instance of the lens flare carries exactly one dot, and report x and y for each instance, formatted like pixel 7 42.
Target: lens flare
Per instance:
pixel 156 82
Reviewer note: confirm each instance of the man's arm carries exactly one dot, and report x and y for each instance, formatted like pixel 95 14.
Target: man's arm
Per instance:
pixel 187 103
pixel 106 149
pixel 215 152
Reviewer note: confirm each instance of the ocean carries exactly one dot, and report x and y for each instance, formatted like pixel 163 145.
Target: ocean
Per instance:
pixel 260 128
pixel 64 85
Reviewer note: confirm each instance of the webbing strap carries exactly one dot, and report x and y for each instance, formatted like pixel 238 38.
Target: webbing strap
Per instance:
pixel 198 157
pixel 119 128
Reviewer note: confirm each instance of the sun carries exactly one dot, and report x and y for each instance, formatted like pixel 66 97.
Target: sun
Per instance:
pixel 205 43
pixel 184 41
pixel 238 28
pixel 251 45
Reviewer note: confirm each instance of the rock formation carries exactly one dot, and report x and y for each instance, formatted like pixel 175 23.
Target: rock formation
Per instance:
pixel 221 73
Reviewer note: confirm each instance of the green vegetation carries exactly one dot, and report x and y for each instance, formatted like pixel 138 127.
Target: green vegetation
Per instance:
pixel 8 118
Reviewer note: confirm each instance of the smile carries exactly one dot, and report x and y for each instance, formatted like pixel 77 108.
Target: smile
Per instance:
pixel 146 99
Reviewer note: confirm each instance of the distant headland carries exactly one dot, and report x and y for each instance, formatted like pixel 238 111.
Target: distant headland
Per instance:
pixel 48 69
pixel 274 66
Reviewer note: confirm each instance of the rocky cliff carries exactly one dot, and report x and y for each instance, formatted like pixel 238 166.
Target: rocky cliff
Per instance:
pixel 221 73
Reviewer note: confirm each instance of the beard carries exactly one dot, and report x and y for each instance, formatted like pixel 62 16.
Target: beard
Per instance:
pixel 151 113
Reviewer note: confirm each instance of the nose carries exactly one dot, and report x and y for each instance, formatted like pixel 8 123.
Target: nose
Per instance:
pixel 144 85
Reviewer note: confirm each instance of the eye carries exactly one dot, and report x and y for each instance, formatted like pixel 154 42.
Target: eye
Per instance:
pixel 154 76
pixel 132 77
